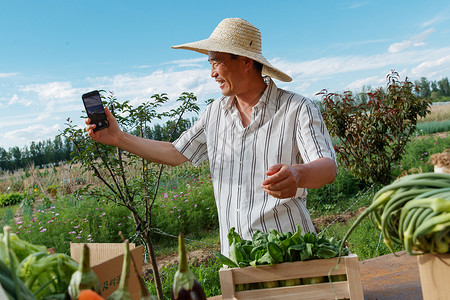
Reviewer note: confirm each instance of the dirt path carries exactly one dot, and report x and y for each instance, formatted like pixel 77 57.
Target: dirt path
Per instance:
pixel 19 211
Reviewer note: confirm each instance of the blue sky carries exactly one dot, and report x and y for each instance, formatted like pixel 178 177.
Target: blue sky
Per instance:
pixel 51 52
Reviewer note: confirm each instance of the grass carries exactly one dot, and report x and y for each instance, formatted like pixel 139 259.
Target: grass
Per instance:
pixel 438 112
pixel 433 127
pixel 7 213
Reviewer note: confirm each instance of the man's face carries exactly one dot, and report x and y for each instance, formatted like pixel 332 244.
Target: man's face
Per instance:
pixel 227 71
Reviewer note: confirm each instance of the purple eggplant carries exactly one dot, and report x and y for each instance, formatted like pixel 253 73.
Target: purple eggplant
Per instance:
pixel 185 285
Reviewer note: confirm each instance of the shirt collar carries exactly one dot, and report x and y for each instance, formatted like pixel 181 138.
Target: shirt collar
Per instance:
pixel 228 103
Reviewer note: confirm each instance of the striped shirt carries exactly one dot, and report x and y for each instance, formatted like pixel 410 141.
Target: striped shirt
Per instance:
pixel 286 128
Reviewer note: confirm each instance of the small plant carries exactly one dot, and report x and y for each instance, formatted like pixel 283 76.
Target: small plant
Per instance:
pixel 53 189
pixel 372 135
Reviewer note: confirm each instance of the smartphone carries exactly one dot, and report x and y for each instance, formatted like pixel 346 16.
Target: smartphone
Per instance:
pixel 95 110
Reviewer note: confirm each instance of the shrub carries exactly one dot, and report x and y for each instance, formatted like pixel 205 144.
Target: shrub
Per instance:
pixel 372 135
pixel 11 199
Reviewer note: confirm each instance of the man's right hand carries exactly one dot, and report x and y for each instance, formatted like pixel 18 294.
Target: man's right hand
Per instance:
pixel 109 135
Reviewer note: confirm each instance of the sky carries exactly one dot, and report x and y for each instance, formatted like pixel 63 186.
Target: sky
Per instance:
pixel 53 51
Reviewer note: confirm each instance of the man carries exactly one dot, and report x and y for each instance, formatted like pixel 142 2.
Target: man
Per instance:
pixel 265 145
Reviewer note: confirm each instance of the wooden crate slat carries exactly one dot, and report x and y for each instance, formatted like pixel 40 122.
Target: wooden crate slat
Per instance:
pixel 349 265
pixel 301 269
pixel 353 277
pixel 310 292
pixel 226 280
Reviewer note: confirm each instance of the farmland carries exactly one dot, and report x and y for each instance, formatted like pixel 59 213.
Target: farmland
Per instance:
pixel 65 204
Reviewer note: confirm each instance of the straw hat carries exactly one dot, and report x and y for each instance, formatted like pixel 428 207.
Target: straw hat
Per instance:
pixel 236 36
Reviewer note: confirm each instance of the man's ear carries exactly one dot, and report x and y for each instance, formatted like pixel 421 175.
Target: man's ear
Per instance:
pixel 248 63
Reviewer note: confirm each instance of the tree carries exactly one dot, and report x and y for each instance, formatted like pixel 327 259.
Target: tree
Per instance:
pixel 371 136
pixel 5 159
pixel 16 154
pixel 424 87
pixel 444 87
pixel 114 166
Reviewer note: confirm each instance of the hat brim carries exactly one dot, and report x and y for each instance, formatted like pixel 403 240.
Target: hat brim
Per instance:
pixel 211 44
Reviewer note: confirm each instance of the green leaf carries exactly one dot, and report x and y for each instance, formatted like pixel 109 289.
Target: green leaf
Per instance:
pixel 266 259
pixel 233 236
pixel 325 252
pixel 224 260
pixel 307 253
pixel 259 238
pixel 275 252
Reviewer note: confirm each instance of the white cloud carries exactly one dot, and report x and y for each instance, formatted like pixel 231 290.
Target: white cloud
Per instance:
pixel 25 135
pixel 415 41
pixel 140 88
pixel 433 67
pixel 372 81
pixel 327 67
pixel 194 62
pixel 5 75
pixel 16 99
pixel 441 17
pixel 52 90
pixel 357 5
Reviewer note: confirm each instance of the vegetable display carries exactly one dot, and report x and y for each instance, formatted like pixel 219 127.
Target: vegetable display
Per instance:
pixel 12 286
pixel 276 247
pixel 414 212
pixel 35 271
pixel 185 285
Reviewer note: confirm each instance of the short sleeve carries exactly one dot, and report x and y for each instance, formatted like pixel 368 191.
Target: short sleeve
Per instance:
pixel 192 142
pixel 312 135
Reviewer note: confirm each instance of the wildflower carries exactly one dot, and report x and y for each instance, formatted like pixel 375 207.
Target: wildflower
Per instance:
pixel 171 211
pixel 44 230
pixel 76 226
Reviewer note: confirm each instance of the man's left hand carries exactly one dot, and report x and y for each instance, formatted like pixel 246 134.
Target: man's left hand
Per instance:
pixel 282 182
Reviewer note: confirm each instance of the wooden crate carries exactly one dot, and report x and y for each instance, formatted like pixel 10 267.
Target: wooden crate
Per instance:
pixel 350 289
pixel 434 270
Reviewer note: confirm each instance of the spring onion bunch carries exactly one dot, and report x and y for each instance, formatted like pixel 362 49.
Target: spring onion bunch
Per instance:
pixel 414 212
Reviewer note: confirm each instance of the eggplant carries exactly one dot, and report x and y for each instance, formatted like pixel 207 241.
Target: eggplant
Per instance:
pixel 185 285
pixel 123 292
pixel 84 278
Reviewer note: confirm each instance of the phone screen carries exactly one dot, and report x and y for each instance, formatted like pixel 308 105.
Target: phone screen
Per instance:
pixel 94 108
